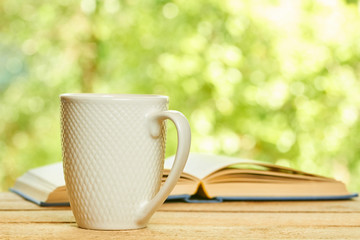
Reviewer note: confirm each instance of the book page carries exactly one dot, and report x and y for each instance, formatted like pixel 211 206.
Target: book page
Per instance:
pixel 270 189
pixel 239 173
pixel 201 165
pixel 52 174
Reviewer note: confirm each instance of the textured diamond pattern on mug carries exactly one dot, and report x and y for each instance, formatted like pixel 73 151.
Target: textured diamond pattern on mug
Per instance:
pixel 92 146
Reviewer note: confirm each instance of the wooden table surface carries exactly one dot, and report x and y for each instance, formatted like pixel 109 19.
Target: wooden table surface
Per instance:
pixel 20 219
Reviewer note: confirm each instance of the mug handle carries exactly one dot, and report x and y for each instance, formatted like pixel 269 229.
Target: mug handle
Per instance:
pixel 182 154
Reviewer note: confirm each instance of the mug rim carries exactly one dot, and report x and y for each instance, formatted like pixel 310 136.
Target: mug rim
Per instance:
pixel 112 96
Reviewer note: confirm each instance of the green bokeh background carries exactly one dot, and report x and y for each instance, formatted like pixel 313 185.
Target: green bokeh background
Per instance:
pixel 277 81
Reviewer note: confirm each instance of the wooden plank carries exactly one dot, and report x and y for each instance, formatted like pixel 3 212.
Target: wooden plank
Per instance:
pixel 26 206
pixel 331 206
pixel 20 219
pixel 203 218
pixel 345 206
pixel 9 196
pixel 37 216
pixel 11 201
pixel 164 231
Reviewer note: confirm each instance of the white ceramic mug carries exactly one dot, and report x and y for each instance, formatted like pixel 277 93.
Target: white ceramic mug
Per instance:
pixel 113 156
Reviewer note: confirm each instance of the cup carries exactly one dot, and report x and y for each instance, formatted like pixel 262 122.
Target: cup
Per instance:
pixel 113 149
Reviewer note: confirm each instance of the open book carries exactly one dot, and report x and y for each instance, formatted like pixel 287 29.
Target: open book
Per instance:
pixel 44 186
pixel 208 178
pixel 219 178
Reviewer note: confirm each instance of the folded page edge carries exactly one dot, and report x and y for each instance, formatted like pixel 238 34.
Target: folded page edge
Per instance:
pixel 40 203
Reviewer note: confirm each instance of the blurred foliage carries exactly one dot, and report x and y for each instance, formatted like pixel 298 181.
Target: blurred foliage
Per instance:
pixel 277 81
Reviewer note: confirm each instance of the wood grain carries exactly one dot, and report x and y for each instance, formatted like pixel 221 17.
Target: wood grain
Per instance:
pixel 348 206
pixel 159 231
pixel 7 202
pixel 20 219
pixel 202 218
